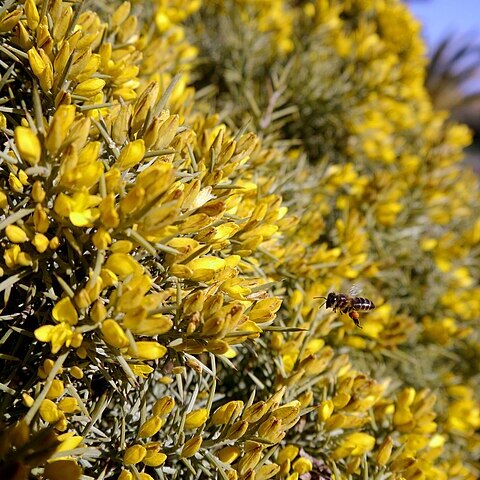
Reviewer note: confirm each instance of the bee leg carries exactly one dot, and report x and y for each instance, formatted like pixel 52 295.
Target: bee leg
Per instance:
pixel 355 316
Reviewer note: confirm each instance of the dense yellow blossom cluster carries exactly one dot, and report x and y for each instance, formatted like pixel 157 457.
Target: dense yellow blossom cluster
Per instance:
pixel 160 268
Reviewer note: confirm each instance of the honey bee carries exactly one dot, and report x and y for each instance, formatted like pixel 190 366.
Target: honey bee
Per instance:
pixel 348 304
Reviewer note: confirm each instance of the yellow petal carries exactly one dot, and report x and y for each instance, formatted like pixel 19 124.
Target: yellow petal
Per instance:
pixel 155 459
pixel 134 454
pixel 125 475
pixel 28 145
pixel 384 452
pixel 69 405
pixel 114 334
pixel 120 14
pixel 61 334
pixel 196 418
pixel 36 62
pixel 149 350
pixel 85 218
pixel 64 311
pixel 59 127
pixel 62 469
pixel 227 413
pixel 56 389
pixel 302 465
pixel 132 154
pixel 191 447
pixel 150 427
pixel 49 411
pixel 16 234
pixel 163 406
pixel 141 370
pixel 228 454
pixel 288 453
pixel 40 242
pixel 325 409
pixel 44 333
pixel 123 265
pixel 89 88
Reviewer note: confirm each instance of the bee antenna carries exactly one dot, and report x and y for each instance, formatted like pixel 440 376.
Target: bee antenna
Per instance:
pixel 323 302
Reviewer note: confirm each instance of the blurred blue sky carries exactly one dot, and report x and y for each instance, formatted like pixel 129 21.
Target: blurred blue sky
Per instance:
pixel 441 17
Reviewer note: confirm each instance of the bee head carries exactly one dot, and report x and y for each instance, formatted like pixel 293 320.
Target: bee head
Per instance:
pixel 330 300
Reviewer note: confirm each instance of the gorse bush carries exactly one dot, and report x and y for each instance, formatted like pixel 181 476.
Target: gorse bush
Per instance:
pixel 179 181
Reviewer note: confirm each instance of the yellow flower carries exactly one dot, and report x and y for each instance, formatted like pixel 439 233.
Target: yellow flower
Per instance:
pixel 3 200
pixel 76 372
pixel 114 334
pixel 134 454
pixel 101 239
pixel 288 453
pixel 108 212
pixel 253 454
pixel 16 234
pixel 41 67
pixel 191 447
pixel 131 154
pixel 14 183
pixel 79 207
pixel 64 311
pixel 264 310
pixel 40 242
pixel 69 441
pixel 154 459
pixel 69 405
pixel 144 476
pixel 59 127
pixel 228 454
pixel 27 400
pixel 150 427
pixel 83 169
pixel 40 219
pixel 302 465
pixel 61 469
pixel 56 389
pixel 89 88
pixel 141 370
pixel 267 471
pixel 354 444
pixel 10 19
pixel 237 430
pixel 58 335
pixel 125 475
pixel 11 256
pixel 148 350
pixel 28 145
pixel 401 463
pixel 227 413
pixel 196 418
pixel 384 452
pixel 49 411
pixel 163 406
pixel 120 14
pixel 288 412
pixel 123 265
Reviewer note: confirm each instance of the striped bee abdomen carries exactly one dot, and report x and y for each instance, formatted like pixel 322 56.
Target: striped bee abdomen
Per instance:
pixel 360 303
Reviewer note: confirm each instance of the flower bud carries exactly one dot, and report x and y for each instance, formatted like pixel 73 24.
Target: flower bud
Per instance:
pixel 196 418
pixel 134 454
pixel 191 447
pixel 384 452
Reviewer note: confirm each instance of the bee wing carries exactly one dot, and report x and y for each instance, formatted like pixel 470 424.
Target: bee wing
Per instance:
pixel 355 290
